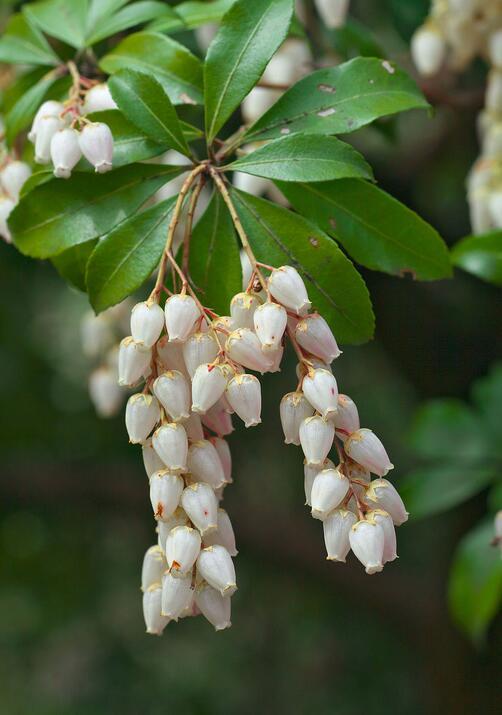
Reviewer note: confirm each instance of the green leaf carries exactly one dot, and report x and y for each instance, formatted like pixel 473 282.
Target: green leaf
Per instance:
pixel 336 289
pixel 487 395
pixel 130 16
pixel 22 113
pixel 481 256
pixel 61 214
pixel 144 102
pixel 249 35
pixel 215 265
pixel 62 19
pixel 304 158
pixel 475 584
pixel 434 489
pixel 22 43
pixel 100 10
pixel 125 258
pixel 449 429
pixel 177 70
pixel 338 100
pixel 375 229
pixel 71 264
pixel 190 15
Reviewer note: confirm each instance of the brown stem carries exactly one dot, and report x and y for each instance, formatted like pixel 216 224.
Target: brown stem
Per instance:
pixel 189 222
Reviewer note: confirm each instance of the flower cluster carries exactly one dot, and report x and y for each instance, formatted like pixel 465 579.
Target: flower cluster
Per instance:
pixel 455 32
pixel 62 133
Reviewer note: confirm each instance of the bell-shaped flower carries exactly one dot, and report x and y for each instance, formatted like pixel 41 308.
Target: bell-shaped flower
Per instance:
pixel 172 390
pixel 176 594
pixel 213 606
pixel 270 320
pixel 147 322
pixel 13 177
pixel 294 409
pixel 287 287
pixel 215 565
pixel 170 441
pixel 320 389
pixel 224 534
pixel 201 505
pixel 316 439
pixel 181 313
pixel 314 335
pixel 141 415
pixel 154 565
pixel 182 548
pixel 204 464
pixel 346 418
pixel 244 395
pixel 337 526
pixel 208 385
pixel 155 622
pixel 329 489
pixel 96 144
pixel 165 493
pixel 385 496
pixel 65 152
pixel 364 447
pixel 242 310
pixel 134 361
pixel 244 348
pixel 367 541
pixel 199 349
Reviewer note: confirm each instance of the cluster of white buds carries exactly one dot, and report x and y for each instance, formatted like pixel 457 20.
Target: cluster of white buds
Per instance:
pixel 13 176
pixel 62 134
pixel 100 335
pixel 456 32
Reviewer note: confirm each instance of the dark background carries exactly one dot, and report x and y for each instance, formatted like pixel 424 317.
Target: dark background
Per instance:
pixel 308 636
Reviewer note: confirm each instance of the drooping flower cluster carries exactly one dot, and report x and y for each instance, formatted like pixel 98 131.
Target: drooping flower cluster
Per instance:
pixel 456 32
pixel 62 134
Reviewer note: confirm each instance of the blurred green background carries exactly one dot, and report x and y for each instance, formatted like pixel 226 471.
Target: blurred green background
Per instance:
pixel 308 636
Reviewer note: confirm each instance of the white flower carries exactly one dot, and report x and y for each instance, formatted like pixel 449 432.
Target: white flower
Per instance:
pixel 46 129
pixel 96 144
pixel 155 622
pixel 275 356
pixel 314 335
pixel 218 420
pixel 170 441
pixel 270 320
pixel 216 567
pixel 201 505
pixel 65 152
pixel 151 459
pixel 242 309
pixel 316 438
pixel 367 542
pixel 244 347
pixel 170 355
pixel 384 519
pixel 204 464
pixel 428 50
pixel 287 287
pixel 51 108
pixel 208 385
pixel 176 594
pixel 104 391
pixel 310 473
pixel 346 419
pixel 7 206
pixel 147 322
pixel 244 395
pixel 154 565
pixel 13 177
pixel 141 415
pixel 165 493
pixel 164 527
pixel 329 488
pixel 134 361
pixel 199 349
pixel 172 390
pixel 98 99
pixel 385 496
pixel 320 389
pixel 194 429
pixel 223 450
pixel 364 447
pixel 182 548
pixel 294 409
pixel 337 526
pixel 224 534
pixel 213 606
pixel 181 313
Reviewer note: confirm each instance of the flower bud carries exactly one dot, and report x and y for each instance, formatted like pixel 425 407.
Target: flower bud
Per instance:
pixel 244 395
pixel 154 565
pixel 270 320
pixel 314 335
pixel 337 526
pixel 176 594
pixel 147 322
pixel 171 355
pixel 224 534
pixel 164 528
pixel 155 622
pixel 165 493
pixel 385 496
pixel 199 349
pixel 201 505
pixel 329 489
pixel 51 108
pixel 275 356
pixel 46 129
pixel 215 565
pixel 223 450
pixel 181 313
pixel 170 441
pixel 182 548
pixel 213 606
pixel 287 287
pixel 98 99
pixel 208 385
pixel 367 542
pixel 294 409
pixel 346 419
pixel 193 427
pixel 384 519
pixel 96 144
pixel 134 360
pixel 333 12
pixel 364 447
pixel 204 464
pixel 173 392
pixel 151 459
pixel 244 347
pixel 13 177
pixel 321 390
pixel 316 438
pixel 242 309
pixel 428 50
pixel 65 152
pixel 7 206
pixel 218 420
pixel 105 394
pixel 141 415
pixel 310 473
